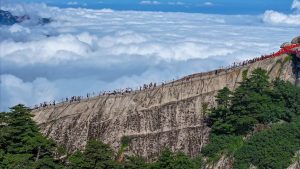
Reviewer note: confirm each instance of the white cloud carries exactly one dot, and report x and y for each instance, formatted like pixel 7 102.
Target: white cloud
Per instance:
pixel 72 3
pixel 32 9
pixel 274 17
pixel 296 5
pixel 278 18
pixel 87 50
pixel 176 3
pixel 150 2
pixel 15 91
pixel 50 50
pixel 18 28
pixel 208 4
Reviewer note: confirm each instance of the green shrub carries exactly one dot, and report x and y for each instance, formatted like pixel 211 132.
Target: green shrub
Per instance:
pixel 178 160
pixel 272 148
pixel 221 145
pixel 287 59
pixel 245 74
pixel 125 141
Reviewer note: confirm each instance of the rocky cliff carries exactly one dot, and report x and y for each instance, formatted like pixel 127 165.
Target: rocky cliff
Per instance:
pixel 170 115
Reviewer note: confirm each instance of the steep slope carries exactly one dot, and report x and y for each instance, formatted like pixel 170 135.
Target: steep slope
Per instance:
pixel 171 115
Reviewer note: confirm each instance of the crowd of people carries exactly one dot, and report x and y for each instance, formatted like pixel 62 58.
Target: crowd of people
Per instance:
pixel 103 93
pixel 45 104
pixel 154 85
pixel 247 62
pixel 234 66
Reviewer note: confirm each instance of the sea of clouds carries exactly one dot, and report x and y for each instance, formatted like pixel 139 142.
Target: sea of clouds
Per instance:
pixel 85 51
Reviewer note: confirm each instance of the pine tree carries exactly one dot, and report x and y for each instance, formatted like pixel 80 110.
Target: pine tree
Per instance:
pixel 287 95
pixel 218 117
pixel 224 96
pixel 252 103
pixel 22 145
pixel 135 162
pixel 170 160
pixel 96 155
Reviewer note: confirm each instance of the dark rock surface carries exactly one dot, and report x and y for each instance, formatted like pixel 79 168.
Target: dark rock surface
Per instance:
pixel 6 18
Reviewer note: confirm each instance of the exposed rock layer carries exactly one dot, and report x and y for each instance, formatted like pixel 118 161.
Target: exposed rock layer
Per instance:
pixel 168 116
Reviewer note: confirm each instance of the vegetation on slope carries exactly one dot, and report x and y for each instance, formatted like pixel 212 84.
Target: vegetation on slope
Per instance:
pixel 257 124
pixel 21 144
pixel 273 148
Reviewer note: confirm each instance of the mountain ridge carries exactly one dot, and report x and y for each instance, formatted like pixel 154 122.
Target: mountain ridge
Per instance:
pixel 7 18
pixel 171 115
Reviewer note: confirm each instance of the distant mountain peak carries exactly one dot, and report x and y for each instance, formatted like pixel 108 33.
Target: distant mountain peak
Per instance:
pixel 7 18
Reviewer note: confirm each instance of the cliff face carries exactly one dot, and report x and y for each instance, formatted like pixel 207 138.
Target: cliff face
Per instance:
pixel 170 116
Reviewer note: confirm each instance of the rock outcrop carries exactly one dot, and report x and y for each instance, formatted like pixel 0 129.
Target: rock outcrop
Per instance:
pixel 170 116
pixel 296 40
pixel 6 18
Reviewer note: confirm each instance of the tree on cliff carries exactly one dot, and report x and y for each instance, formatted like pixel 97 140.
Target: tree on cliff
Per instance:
pixel 21 143
pixel 170 160
pixel 251 102
pixel 224 97
pixel 135 162
pixel 260 125
pixel 96 155
pixel 287 95
pixel 218 118
pixel 254 101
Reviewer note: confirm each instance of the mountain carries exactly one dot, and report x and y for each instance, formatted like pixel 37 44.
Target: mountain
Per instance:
pixel 175 115
pixel 6 18
pixel 170 115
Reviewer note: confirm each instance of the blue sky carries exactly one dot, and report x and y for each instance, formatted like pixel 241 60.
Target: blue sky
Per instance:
pixel 198 6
